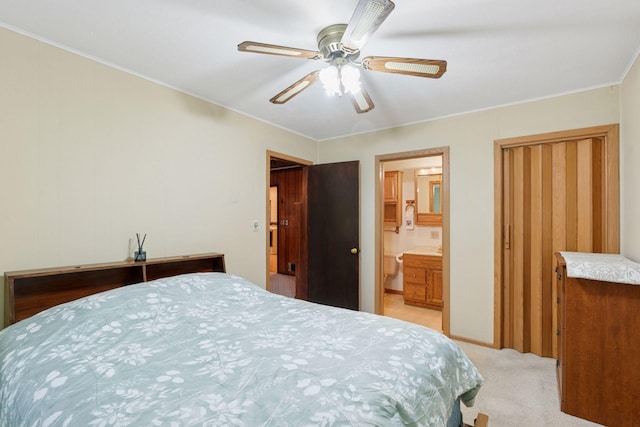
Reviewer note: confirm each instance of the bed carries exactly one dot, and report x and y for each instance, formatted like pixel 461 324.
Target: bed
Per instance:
pixel 214 349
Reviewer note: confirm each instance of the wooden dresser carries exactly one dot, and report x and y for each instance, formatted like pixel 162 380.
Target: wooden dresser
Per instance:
pixel 422 280
pixel 30 291
pixel 598 365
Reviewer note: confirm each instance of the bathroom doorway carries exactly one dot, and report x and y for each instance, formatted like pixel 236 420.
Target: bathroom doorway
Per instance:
pixel 412 225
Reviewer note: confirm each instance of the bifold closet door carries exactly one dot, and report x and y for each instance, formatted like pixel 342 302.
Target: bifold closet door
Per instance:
pixel 554 199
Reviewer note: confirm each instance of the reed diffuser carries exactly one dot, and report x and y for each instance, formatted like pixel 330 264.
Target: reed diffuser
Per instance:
pixel 140 255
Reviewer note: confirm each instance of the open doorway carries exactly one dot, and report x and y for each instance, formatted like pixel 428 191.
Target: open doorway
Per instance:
pixel 285 193
pixel 412 199
pixel 318 229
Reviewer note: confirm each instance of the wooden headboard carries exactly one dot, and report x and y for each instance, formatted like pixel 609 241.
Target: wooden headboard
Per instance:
pixel 31 291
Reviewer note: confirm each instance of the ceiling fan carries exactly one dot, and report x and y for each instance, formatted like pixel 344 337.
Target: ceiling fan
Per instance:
pixel 339 45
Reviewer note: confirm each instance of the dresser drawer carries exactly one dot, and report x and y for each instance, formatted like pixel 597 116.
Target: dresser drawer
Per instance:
pixel 415 275
pixel 415 292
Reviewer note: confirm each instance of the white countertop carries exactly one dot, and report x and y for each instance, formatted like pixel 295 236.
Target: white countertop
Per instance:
pixel 424 250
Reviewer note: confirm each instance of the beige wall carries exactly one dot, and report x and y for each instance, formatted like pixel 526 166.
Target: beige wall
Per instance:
pixel 91 155
pixel 630 163
pixel 470 138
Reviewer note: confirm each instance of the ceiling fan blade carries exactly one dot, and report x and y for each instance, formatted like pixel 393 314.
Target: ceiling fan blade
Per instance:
pixel 295 88
pixel 362 101
pixel 272 49
pixel 410 66
pixel 366 19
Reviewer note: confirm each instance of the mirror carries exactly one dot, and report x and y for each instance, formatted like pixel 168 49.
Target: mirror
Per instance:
pixel 428 197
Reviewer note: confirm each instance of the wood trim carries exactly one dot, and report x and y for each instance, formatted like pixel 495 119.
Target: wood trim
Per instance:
pixel 446 243
pixel 610 132
pixel 379 215
pixel 302 272
pixel 393 291
pixel 474 342
pixel 481 421
pixel 498 233
pixel 612 183
pixel 610 135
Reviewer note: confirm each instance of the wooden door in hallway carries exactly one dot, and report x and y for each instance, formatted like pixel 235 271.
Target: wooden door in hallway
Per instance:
pixel 554 192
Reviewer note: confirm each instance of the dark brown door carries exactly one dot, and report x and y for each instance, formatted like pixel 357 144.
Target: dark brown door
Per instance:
pixel 333 234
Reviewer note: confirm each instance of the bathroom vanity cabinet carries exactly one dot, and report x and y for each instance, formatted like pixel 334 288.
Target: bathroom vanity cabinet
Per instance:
pixel 422 280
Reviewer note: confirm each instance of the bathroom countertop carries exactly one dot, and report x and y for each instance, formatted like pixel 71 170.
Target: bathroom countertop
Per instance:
pixel 423 250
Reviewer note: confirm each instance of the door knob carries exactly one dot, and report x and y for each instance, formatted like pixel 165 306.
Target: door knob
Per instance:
pixel 354 250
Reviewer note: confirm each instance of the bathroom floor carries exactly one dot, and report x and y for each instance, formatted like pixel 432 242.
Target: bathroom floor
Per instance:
pixel 395 307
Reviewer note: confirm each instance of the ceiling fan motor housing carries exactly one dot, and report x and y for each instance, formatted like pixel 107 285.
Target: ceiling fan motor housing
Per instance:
pixel 329 45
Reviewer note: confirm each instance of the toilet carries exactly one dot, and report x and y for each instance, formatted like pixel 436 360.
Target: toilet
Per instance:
pixel 390 266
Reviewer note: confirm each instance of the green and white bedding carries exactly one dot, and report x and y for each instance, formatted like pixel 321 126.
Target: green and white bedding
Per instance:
pixel 213 349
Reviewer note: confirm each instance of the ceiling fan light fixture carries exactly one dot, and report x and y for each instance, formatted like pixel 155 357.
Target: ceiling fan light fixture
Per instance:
pixel 350 78
pixel 338 80
pixel 331 81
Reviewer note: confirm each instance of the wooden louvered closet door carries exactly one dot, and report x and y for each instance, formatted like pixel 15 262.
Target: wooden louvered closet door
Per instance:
pixel 557 195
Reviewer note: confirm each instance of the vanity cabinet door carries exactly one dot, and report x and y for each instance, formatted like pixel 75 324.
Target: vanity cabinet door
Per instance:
pixel 414 293
pixel 435 287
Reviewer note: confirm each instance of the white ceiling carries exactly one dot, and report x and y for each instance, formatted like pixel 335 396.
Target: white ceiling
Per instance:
pixel 498 52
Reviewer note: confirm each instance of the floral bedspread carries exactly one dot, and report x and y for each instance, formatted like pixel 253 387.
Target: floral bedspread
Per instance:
pixel 212 349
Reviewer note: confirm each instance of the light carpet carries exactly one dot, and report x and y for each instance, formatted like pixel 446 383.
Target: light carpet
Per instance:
pixel 519 390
